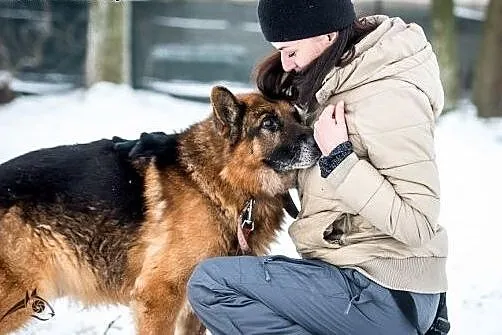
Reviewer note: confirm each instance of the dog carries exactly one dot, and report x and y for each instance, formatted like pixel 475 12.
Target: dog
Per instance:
pixel 88 222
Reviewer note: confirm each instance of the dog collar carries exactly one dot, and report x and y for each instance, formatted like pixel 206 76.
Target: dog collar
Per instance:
pixel 245 226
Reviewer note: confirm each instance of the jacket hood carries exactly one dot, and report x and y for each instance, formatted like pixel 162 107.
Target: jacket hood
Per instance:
pixel 394 50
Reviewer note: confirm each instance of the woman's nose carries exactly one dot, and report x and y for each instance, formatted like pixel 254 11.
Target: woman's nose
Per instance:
pixel 288 64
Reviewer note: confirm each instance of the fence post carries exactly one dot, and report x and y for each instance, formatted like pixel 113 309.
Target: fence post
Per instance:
pixel 108 42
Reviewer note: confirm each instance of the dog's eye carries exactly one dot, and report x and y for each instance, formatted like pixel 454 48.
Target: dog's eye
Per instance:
pixel 270 123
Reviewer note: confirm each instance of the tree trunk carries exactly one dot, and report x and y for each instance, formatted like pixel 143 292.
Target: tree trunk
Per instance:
pixel 488 77
pixel 108 42
pixel 444 40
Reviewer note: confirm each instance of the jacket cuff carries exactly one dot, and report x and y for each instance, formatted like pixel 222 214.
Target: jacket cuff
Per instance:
pixel 328 163
pixel 342 170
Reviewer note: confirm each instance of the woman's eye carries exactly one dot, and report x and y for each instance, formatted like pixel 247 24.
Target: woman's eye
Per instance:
pixel 292 54
pixel 270 124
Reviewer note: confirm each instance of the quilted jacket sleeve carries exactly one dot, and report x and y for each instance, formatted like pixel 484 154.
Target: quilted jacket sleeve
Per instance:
pixel 397 187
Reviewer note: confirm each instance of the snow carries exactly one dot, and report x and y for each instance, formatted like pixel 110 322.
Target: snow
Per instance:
pixel 192 89
pixel 34 87
pixel 82 116
pixel 469 154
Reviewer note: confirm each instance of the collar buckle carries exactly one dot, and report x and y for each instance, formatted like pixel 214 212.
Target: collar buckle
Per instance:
pixel 245 226
pixel 248 224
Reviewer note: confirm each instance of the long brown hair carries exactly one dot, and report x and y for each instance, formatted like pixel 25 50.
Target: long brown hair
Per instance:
pixel 300 88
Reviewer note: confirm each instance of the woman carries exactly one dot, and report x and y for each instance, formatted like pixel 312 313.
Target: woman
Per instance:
pixel 373 254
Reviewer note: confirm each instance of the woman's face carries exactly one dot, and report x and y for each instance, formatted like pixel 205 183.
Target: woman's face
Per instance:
pixel 296 55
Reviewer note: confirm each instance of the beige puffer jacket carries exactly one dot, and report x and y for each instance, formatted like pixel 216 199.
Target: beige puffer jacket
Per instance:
pixel 378 210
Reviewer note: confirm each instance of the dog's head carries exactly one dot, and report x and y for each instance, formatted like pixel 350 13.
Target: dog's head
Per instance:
pixel 267 141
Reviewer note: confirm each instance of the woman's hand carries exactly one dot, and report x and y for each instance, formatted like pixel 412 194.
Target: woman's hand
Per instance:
pixel 330 129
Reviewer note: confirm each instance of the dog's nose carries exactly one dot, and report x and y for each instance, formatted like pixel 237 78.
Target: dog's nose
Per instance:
pixel 308 139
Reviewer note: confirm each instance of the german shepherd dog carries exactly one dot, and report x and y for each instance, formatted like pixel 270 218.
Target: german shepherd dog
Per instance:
pixel 88 222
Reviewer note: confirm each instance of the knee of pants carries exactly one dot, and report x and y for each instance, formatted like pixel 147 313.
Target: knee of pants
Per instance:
pixel 202 283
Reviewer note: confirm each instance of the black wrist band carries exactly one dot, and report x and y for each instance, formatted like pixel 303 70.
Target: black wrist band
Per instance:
pixel 330 162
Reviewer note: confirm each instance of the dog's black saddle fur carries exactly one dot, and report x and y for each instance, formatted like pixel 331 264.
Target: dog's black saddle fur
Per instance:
pixel 96 176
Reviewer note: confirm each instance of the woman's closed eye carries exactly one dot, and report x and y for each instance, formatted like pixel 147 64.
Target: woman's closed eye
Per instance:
pixel 292 54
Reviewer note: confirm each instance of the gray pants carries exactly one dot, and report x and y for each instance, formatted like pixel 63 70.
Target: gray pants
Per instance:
pixel 280 295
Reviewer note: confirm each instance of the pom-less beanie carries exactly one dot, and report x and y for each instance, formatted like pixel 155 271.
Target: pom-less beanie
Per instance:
pixel 290 20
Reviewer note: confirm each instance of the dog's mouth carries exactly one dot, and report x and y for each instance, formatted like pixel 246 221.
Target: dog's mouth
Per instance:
pixel 286 159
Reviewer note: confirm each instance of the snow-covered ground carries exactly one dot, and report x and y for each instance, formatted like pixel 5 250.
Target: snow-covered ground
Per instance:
pixel 469 158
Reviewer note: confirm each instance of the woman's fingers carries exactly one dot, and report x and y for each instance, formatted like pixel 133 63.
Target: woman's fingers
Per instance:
pixel 330 129
pixel 328 112
pixel 339 114
pixel 335 112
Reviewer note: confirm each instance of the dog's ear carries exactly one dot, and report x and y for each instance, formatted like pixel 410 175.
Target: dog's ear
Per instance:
pixel 227 112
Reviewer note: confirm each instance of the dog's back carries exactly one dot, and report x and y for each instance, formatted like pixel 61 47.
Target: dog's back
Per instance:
pixel 87 178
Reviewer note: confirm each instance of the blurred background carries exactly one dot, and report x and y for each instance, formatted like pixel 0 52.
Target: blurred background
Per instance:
pixel 174 46
pixel 73 71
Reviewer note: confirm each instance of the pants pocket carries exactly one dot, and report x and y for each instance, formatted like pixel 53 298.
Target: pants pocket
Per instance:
pixel 307 275
pixel 299 261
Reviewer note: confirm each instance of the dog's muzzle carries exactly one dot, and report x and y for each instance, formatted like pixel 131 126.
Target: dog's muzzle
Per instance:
pixel 302 154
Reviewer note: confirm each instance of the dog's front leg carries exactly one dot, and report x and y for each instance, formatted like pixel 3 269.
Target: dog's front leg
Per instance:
pixel 188 323
pixel 156 302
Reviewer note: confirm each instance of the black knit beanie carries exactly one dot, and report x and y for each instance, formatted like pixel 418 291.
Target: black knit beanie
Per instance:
pixel 290 20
